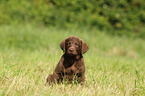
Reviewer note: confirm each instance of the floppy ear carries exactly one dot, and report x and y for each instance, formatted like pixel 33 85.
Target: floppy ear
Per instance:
pixel 84 47
pixel 62 45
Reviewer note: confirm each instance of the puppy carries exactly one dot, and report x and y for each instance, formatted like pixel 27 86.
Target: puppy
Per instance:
pixel 71 65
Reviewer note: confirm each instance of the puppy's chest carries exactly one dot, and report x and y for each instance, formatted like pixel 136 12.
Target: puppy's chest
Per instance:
pixel 72 69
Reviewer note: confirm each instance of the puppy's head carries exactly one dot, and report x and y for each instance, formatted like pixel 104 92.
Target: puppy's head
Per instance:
pixel 74 46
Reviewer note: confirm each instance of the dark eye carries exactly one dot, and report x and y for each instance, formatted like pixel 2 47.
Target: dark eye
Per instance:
pixel 77 44
pixel 69 43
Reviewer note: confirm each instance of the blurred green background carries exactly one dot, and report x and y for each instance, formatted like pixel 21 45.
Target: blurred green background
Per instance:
pixel 121 17
pixel 31 31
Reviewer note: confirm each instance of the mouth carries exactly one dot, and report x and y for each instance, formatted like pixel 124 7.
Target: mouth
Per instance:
pixel 72 53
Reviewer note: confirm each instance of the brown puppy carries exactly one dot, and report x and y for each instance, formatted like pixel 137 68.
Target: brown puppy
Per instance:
pixel 71 65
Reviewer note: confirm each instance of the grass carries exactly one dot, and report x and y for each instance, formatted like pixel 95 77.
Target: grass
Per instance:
pixel 114 65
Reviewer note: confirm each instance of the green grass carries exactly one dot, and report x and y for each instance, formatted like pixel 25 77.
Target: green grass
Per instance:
pixel 114 65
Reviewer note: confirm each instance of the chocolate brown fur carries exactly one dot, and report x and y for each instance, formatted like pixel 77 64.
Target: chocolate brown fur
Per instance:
pixel 71 65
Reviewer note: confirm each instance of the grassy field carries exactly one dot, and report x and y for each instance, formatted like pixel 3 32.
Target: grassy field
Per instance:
pixel 114 65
